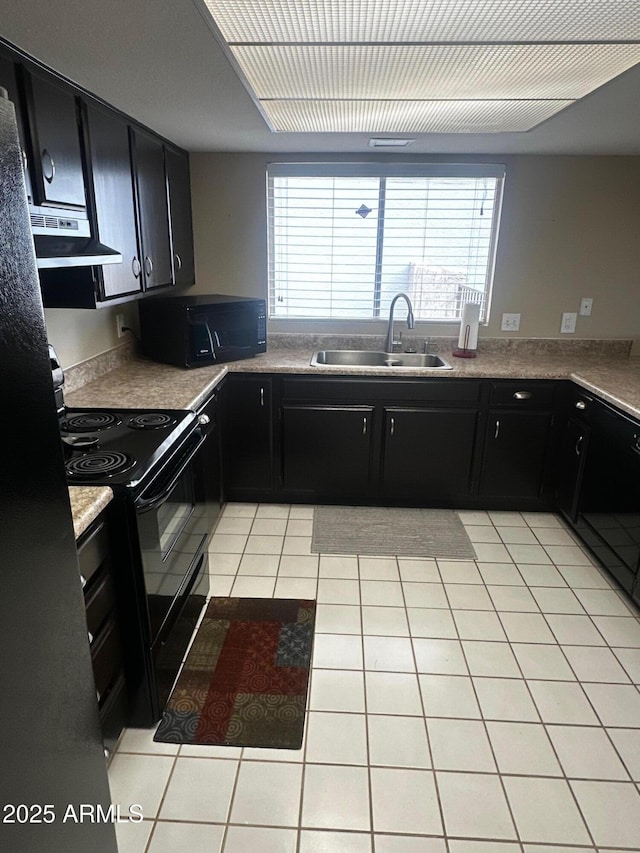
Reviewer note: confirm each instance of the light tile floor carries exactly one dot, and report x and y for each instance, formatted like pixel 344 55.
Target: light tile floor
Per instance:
pixel 454 706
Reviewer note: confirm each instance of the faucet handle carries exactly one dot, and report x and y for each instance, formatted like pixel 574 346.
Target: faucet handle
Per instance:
pixel 397 342
pixel 425 346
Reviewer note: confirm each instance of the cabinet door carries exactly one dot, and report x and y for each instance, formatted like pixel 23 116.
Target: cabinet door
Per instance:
pixel 110 166
pixel 247 437
pixel 9 81
pixel 56 167
pixel 153 210
pixel 180 215
pixel 570 467
pixel 428 453
pixel 514 454
pixel 326 450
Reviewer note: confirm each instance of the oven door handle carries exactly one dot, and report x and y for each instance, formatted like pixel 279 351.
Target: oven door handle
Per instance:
pixel 143 504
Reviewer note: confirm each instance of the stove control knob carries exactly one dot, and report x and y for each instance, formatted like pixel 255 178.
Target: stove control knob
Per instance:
pixel 203 420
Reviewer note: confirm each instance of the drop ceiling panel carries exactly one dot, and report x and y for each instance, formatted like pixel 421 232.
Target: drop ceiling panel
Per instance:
pixel 408 116
pixel 435 72
pixel 425 20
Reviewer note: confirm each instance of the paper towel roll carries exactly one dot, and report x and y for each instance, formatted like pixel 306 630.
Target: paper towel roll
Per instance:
pixel 470 320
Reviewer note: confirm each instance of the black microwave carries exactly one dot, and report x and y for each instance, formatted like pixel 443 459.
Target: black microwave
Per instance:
pixel 207 329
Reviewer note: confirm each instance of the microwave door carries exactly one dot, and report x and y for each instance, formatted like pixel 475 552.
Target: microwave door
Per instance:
pixel 203 341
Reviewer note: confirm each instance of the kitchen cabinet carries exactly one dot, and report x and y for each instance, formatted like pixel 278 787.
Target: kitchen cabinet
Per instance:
pixel 428 454
pixel 9 81
pixel 110 180
pixel 53 149
pixel 99 585
pixel 153 209
pixel 572 452
pixel 247 438
pixel 517 442
pixel 327 451
pixel 179 189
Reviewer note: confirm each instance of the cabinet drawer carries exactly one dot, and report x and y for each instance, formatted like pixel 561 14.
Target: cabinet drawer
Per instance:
pixel 106 656
pixel 534 394
pixel 99 602
pixel 92 552
pixel 113 713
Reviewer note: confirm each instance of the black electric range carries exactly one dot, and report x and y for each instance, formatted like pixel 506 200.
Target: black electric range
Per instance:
pixel 121 448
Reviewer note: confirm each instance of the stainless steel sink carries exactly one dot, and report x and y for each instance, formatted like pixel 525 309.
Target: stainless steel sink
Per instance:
pixel 367 358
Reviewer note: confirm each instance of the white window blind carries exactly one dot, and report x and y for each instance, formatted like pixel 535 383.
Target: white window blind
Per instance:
pixel 344 239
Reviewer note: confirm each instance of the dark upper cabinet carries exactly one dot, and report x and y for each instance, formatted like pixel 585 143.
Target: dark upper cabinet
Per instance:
pixel 54 154
pixel 153 209
pixel 9 81
pixel 179 188
pixel 112 200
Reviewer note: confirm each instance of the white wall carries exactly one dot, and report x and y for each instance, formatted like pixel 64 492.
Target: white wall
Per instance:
pixel 570 228
pixel 78 334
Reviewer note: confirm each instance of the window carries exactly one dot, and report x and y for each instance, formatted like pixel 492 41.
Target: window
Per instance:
pixel 344 239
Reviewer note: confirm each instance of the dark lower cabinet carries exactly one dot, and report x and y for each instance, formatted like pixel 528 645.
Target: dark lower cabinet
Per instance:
pixel 572 456
pixel 100 588
pixel 247 437
pixel 427 454
pixel 515 453
pixel 327 450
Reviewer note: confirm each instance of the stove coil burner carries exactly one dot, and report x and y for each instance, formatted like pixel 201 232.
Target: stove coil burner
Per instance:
pixel 151 420
pixel 90 422
pixel 105 464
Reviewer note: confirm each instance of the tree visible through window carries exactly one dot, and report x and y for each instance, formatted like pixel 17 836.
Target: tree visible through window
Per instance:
pixel 345 239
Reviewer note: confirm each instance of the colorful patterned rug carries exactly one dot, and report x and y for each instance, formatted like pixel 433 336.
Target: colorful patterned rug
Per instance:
pixel 245 679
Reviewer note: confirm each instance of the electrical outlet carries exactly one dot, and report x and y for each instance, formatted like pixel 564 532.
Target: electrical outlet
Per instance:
pixel 120 325
pixel 585 306
pixel 510 322
pixel 568 324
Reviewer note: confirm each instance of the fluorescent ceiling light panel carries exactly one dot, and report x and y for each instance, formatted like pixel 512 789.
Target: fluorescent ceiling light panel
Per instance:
pixel 418 66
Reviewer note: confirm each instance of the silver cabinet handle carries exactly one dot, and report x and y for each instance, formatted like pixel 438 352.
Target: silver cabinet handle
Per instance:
pixel 50 175
pixel 83 581
pixel 523 395
pixel 364 426
pixel 203 420
pixel 497 432
pixel 148 265
pixel 90 636
pixel 579 445
pixel 178 262
pixel 24 160
pixel 136 269
pixel 107 753
pixel 581 405
pixel 262 396
pixel 392 426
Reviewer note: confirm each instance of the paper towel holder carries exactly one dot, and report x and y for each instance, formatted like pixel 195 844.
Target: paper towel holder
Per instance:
pixel 463 350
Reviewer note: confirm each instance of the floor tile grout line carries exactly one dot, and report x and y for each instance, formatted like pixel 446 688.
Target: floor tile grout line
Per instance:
pixel 161 803
pixel 366 709
pixel 489 741
pixel 426 728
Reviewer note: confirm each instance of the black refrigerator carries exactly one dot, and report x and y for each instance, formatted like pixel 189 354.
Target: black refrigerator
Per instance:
pixel 51 758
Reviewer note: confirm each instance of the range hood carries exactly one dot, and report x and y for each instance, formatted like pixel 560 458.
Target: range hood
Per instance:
pixel 63 239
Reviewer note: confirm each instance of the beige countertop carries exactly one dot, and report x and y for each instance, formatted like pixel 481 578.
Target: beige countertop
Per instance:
pixel 140 384
pixel 87 502
pixel 146 384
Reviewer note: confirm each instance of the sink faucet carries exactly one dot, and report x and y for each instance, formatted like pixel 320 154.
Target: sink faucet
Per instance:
pixel 388 347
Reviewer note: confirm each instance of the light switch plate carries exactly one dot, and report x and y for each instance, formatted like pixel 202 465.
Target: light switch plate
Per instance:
pixel 568 324
pixel 510 323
